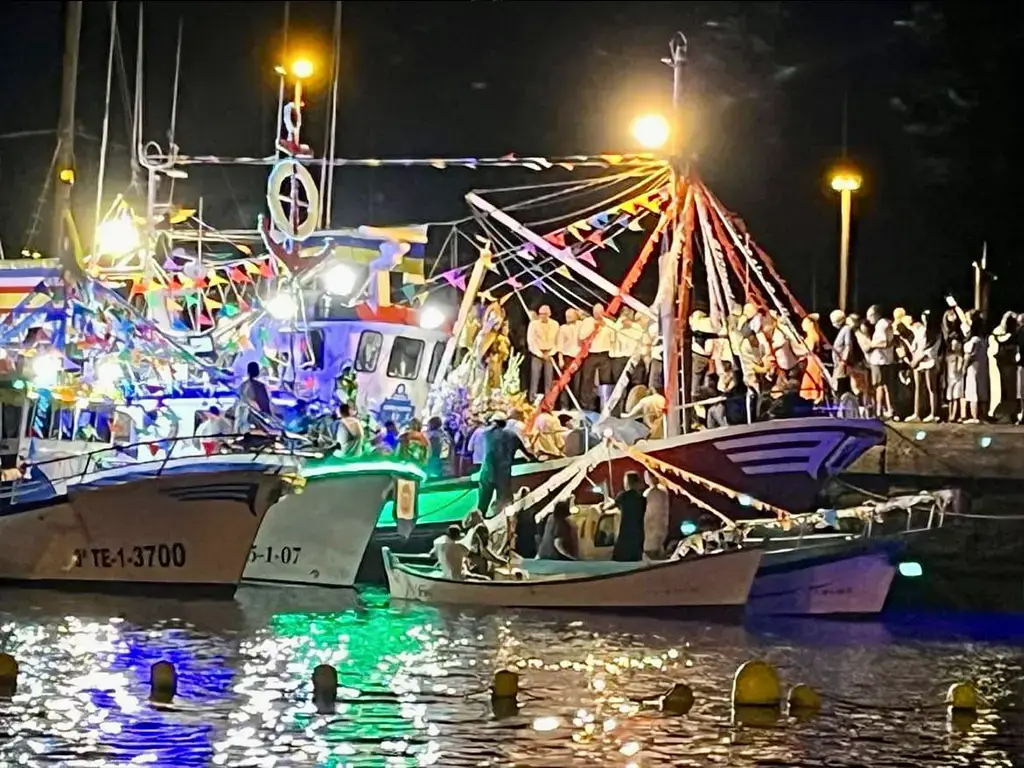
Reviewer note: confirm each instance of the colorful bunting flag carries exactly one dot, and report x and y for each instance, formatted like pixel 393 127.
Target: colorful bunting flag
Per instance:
pixel 587 258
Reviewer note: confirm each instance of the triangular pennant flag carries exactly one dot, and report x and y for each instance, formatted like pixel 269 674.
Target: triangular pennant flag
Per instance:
pixel 155 285
pixel 596 238
pixel 635 224
pixel 251 268
pixel 186 282
pixel 173 306
pixel 199 282
pixel 587 258
pixel 583 225
pixel 556 238
pixel 182 214
pixel 612 159
pixel 514 284
pixel 630 207
pixel 211 303
pixel 170 265
pixel 137 288
pixel 229 310
pixel 460 283
pixel 216 279
pixel 526 252
pixel 409 291
pixel 451 277
pixel 572 230
pixel 611 242
pixel 267 269
pixel 651 204
pixel 192 300
pixel 204 319
pixel 563 271
pixel 243 305
pixel 238 276
pixel 173 284
pixel 243 248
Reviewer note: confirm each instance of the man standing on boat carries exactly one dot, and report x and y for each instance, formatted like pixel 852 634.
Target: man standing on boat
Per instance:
pixel 253 397
pixel 597 367
pixel 568 348
pixel 500 447
pixel 542 341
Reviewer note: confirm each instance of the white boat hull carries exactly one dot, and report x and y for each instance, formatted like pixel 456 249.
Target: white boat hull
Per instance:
pixel 319 536
pixel 193 529
pixel 713 581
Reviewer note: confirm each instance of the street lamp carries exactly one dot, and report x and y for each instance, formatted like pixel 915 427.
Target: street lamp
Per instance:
pixel 845 182
pixel 302 69
pixel 651 131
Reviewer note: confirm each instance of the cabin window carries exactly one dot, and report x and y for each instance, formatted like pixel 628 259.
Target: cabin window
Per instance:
pixel 11 421
pixel 406 355
pixel 368 351
pixel 435 361
pixel 607 528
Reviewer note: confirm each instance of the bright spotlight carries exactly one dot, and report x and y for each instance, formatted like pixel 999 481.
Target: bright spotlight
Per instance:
pixel 846 181
pixel 651 131
pixel 431 318
pixel 46 368
pixel 340 280
pixel 108 373
pixel 117 237
pixel 302 68
pixel 282 307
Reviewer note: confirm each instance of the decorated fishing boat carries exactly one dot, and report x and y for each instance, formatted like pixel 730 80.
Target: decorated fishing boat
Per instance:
pixel 718 582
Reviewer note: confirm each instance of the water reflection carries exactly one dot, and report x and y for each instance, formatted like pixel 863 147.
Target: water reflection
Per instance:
pixel 414 687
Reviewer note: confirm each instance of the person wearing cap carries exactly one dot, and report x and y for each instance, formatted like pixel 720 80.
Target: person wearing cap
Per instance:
pixel 542 342
pixel 500 446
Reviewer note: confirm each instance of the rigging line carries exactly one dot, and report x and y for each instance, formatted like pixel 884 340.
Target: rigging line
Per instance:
pixel 440 252
pixel 105 139
pixel 334 111
pixel 588 185
pixel 34 226
pixel 27 134
pixel 171 148
pixel 280 87
pixel 567 183
pixel 122 80
pixel 656 181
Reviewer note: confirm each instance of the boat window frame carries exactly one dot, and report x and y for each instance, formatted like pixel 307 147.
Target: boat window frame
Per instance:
pixel 419 358
pixel 356 365
pixel 435 360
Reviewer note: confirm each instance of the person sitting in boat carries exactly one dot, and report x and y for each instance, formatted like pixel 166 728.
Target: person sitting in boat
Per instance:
pixel 547 440
pixel 349 434
pixel 413 444
pixel 559 540
pixel 651 410
pixel 500 446
pixel 386 440
pixel 451 554
pixel 477 539
pixel 629 543
pixel 253 401
pixel 213 425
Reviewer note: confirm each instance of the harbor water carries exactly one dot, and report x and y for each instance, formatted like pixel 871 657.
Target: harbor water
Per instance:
pixel 414 686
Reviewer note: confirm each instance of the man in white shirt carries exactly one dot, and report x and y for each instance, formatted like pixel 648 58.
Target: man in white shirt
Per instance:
pixel 881 360
pixel 451 554
pixel 597 367
pixel 568 347
pixel 542 341
pixel 652 338
pixel 628 337
pixel 214 425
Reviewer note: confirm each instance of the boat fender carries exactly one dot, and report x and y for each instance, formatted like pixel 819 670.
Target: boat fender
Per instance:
pixel 8 675
pixel 803 701
pixel 756 684
pixel 505 685
pixel 962 697
pixel 679 700
pixel 163 682
pixel 325 688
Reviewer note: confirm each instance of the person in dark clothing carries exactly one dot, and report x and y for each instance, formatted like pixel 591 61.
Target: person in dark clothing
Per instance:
pixel 559 541
pixel 789 405
pixel 629 544
pixel 500 447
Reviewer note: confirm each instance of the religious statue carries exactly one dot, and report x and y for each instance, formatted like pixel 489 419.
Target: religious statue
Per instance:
pixel 496 355
pixel 346 387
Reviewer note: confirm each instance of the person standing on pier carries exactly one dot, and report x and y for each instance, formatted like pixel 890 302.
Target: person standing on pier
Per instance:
pixel 542 342
pixel 881 358
pixel 975 372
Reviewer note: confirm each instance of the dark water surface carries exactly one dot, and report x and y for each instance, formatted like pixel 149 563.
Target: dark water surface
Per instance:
pixel 414 686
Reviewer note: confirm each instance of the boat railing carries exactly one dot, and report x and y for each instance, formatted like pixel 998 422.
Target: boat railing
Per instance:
pixel 114 463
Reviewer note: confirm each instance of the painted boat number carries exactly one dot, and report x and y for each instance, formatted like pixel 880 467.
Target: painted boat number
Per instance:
pixel 148 556
pixel 275 555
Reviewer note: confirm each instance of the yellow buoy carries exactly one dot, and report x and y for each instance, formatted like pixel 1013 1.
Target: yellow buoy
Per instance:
pixel 8 674
pixel 325 687
pixel 506 685
pixel 163 682
pixel 503 708
pixel 962 697
pixel 803 700
pixel 756 684
pixel 679 700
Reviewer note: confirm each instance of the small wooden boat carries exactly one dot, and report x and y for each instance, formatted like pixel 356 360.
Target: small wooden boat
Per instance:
pixel 716 581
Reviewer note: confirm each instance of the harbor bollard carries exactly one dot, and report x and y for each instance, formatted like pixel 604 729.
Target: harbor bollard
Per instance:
pixel 8 675
pixel 803 702
pixel 325 688
pixel 679 700
pixel 163 682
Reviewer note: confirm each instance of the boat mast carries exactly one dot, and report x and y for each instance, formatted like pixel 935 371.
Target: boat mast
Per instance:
pixel 106 118
pixel 676 365
pixel 66 136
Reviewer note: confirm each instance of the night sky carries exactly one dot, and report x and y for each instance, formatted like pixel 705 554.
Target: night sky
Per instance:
pixel 930 91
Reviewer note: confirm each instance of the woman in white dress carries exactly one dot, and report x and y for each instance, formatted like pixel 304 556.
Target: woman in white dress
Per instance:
pixel 924 361
pixel 975 372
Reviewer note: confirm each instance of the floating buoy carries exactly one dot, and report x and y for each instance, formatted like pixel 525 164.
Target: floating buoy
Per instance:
pixel 503 708
pixel 803 700
pixel 163 682
pixel 679 700
pixel 505 685
pixel 962 697
pixel 8 674
pixel 325 687
pixel 756 684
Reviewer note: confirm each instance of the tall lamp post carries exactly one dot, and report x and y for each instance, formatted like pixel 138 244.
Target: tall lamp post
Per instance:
pixel 845 182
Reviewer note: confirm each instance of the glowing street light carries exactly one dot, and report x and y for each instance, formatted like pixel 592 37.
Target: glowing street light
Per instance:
pixel 117 236
pixel 651 131
pixel 845 181
pixel 302 68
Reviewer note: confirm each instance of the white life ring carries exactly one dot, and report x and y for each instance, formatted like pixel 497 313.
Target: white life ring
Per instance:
pixel 278 193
